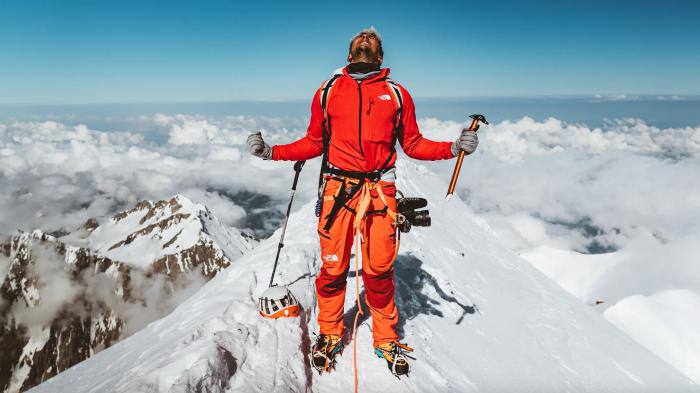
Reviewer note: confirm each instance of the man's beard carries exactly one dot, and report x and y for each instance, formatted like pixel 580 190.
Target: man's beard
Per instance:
pixel 365 55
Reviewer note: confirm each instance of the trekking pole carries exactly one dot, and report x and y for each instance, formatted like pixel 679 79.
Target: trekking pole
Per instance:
pixel 297 169
pixel 476 119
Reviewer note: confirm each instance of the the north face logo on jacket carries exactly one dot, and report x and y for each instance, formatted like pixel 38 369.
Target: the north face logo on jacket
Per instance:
pixel 385 97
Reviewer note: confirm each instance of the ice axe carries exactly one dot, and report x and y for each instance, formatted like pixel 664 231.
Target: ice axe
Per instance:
pixel 476 119
pixel 278 301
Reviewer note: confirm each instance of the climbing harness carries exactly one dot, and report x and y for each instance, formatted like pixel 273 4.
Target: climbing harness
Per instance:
pixel 326 167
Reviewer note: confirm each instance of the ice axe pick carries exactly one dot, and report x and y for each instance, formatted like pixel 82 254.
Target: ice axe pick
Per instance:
pixel 476 119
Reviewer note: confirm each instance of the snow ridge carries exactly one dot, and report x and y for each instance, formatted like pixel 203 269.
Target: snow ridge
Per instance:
pixel 150 230
pixel 481 320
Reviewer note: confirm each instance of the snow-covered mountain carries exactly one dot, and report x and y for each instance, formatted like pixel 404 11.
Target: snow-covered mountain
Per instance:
pixel 64 299
pixel 174 236
pixel 480 318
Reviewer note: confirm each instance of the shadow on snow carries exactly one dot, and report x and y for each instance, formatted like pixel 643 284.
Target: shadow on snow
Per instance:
pixel 412 283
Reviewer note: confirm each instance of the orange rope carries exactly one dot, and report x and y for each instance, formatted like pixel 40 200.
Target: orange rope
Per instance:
pixel 359 306
pixel 362 206
pixel 360 215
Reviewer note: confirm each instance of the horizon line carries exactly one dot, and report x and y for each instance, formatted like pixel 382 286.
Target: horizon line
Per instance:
pixel 607 97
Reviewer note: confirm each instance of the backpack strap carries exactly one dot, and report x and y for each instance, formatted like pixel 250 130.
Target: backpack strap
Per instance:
pixel 325 92
pixel 397 97
pixel 325 95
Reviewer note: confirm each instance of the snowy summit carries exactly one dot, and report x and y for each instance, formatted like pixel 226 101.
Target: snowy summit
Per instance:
pixel 480 318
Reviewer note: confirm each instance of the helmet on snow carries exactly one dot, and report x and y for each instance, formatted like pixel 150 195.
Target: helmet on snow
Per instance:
pixel 278 302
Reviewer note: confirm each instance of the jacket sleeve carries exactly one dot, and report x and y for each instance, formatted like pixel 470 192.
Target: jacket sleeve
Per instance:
pixel 311 145
pixel 413 142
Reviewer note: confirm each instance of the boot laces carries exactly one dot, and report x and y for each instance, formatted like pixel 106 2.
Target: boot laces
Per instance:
pixel 325 343
pixel 397 352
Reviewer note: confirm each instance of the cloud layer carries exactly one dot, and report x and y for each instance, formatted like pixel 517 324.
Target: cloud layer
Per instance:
pixel 537 183
pixel 53 175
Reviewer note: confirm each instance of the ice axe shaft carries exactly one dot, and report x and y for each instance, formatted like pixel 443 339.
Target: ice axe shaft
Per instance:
pixel 297 169
pixel 476 119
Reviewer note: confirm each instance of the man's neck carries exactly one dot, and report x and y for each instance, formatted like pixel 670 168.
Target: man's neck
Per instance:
pixel 361 70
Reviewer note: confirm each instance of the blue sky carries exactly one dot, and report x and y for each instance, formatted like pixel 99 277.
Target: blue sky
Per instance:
pixel 93 52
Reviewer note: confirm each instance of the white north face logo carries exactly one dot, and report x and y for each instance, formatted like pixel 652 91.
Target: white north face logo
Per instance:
pixel 330 258
pixel 385 97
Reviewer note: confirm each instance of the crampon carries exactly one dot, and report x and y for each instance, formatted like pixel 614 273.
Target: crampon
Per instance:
pixel 395 355
pixel 324 351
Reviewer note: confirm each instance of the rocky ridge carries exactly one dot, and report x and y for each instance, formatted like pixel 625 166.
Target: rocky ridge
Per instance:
pixel 63 299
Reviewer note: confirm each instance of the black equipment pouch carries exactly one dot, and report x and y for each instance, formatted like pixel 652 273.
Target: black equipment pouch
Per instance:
pixel 346 192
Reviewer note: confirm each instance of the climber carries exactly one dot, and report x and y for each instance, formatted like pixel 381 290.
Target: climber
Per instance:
pixel 357 116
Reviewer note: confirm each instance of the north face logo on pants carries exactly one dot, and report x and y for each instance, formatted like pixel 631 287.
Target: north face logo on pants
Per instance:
pixel 330 258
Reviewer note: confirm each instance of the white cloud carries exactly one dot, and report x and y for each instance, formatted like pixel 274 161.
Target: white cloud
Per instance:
pixel 224 154
pixel 551 171
pixel 512 140
pixel 220 206
pixel 54 175
pixel 621 179
pixel 198 130
pixel 52 294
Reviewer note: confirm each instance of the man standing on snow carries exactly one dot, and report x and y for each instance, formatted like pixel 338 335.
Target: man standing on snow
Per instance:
pixel 357 117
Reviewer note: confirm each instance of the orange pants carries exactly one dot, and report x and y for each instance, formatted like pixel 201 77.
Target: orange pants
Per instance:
pixel 378 252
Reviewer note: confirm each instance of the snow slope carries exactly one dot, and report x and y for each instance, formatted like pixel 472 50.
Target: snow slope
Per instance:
pixel 580 274
pixel 481 320
pixel 666 323
pixel 655 301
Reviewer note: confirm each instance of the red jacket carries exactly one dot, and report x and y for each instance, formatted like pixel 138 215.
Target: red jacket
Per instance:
pixel 362 117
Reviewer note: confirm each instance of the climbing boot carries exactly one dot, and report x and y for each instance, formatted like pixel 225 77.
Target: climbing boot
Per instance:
pixel 395 355
pixel 324 351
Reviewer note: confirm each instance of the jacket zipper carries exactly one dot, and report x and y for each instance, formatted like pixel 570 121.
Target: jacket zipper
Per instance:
pixel 359 118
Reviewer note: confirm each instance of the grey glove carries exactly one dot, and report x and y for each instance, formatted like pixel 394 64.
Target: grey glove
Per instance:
pixel 258 147
pixel 467 143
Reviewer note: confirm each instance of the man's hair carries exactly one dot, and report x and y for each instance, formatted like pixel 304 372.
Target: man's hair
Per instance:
pixel 369 30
